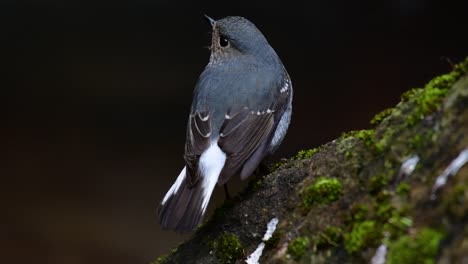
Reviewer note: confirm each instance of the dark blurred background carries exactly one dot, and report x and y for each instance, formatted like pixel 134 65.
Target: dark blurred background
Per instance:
pixel 96 97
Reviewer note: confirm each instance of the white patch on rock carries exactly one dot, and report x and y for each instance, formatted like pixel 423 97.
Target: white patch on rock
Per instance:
pixel 271 227
pixel 451 170
pixel 255 256
pixel 380 256
pixel 408 167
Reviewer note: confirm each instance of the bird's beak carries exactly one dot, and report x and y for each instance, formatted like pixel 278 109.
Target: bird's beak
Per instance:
pixel 210 20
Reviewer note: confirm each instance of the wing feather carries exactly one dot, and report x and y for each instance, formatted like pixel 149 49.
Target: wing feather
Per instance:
pixel 243 131
pixel 242 135
pixel 199 131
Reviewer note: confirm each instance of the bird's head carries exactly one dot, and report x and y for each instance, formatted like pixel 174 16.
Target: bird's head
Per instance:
pixel 237 36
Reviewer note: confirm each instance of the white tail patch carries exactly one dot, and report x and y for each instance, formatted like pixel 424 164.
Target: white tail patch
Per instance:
pixel 211 163
pixel 175 187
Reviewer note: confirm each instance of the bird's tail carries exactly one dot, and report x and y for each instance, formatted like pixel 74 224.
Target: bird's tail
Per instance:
pixel 181 208
pixel 184 205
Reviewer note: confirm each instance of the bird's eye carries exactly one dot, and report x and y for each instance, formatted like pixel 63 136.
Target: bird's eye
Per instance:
pixel 223 42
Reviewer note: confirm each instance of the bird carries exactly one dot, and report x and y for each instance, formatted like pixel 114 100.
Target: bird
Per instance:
pixel 240 113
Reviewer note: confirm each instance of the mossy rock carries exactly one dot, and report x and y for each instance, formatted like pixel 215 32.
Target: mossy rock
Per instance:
pixel 338 203
pixel 322 191
pixel 298 246
pixel 228 248
pixel 421 247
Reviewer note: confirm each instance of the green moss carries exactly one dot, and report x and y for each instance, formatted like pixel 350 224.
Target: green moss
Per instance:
pixel 255 183
pixel 368 222
pixel 228 248
pixel 397 224
pixel 383 196
pixel 306 154
pixel 386 138
pixel 302 154
pixel 395 221
pixel 421 140
pixel 461 68
pixel 333 233
pixel 381 116
pixel 403 188
pixel 220 212
pixel 278 165
pixel 426 102
pixel 444 81
pixel 330 236
pixel 160 260
pixel 421 248
pixel 273 241
pixel 455 200
pixel 378 182
pixel 297 247
pixel 367 137
pixel 459 190
pixel 322 191
pixel 406 96
pixel 362 235
pixel 416 141
pixel 383 210
pixel 174 250
pixel 359 212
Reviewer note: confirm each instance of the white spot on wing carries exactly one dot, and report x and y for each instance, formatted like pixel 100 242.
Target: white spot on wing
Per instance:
pixel 451 170
pixel 175 187
pixel 255 256
pixel 205 118
pixel 282 128
pixel 211 163
pixel 285 87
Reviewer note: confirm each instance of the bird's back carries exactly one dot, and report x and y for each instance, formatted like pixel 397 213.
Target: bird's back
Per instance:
pixel 220 90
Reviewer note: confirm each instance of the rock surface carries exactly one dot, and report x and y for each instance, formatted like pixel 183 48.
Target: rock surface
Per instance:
pixel 343 201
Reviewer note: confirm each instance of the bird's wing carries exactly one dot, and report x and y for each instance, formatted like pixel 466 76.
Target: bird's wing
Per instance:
pixel 241 115
pixel 199 131
pixel 245 130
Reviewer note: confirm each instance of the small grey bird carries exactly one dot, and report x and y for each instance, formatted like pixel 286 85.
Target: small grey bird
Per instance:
pixel 240 113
